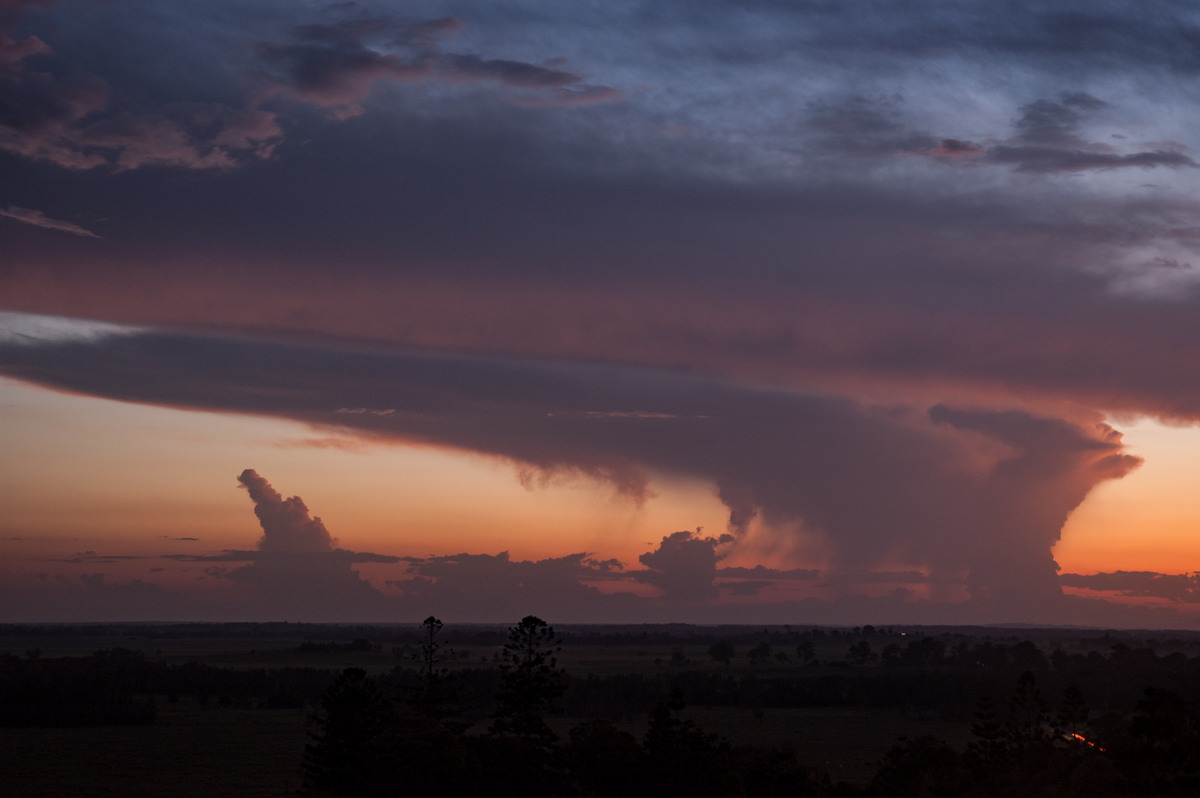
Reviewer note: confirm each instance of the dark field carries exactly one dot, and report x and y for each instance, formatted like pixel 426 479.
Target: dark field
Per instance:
pixel 196 709
pixel 188 750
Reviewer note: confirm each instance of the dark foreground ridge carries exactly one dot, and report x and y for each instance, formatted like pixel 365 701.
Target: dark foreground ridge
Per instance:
pixel 460 710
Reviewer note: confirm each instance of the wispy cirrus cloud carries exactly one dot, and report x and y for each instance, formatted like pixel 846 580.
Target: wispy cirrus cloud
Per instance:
pixel 40 219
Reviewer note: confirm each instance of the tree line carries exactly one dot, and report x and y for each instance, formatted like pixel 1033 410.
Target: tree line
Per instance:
pixel 1118 719
pixel 369 742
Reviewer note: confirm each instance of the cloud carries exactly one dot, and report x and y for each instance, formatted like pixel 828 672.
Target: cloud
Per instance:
pixel 863 224
pixel 495 588
pixel 337 65
pixel 1177 588
pixel 746 587
pixel 1050 123
pixel 359 410
pixel 955 491
pixel 684 566
pixel 860 126
pixel 38 107
pixel 285 523
pixel 1048 141
pixel 92 557
pixel 39 219
pixel 340 556
pixel 296 572
pixel 868 577
pixel 761 572
pixel 1045 159
pixel 956 148
pixel 53 109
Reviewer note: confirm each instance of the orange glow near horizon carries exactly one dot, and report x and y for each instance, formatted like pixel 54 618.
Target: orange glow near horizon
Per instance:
pixel 131 478
pixel 122 480
pixel 1146 521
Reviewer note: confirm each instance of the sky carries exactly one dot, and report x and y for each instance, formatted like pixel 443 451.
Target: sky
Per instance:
pixel 756 312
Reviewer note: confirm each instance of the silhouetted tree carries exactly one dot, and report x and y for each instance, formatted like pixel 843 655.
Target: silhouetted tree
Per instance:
pixel 760 652
pixel 721 651
pixel 1028 657
pixel 860 653
pixel 532 682
pixel 918 768
pixel 682 758
pixel 429 647
pixel 1026 713
pixel 605 760
pixel 433 677
pixel 1072 710
pixel 988 751
pixel 349 749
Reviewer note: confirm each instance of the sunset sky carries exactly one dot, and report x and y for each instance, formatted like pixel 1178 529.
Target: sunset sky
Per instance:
pixel 755 312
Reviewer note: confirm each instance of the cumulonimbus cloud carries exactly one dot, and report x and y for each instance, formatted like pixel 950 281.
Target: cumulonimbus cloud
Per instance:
pixel 286 523
pixel 954 491
pixel 296 571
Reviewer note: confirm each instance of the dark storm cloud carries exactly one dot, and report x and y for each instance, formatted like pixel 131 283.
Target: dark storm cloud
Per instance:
pixel 953 491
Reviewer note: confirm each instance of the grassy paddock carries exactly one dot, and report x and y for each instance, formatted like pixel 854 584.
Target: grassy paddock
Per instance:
pixel 189 751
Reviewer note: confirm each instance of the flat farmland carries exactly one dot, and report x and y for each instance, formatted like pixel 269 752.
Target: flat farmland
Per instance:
pixel 188 751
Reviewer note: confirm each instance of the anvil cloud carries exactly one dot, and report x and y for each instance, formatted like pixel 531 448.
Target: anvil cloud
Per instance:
pixel 878 272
